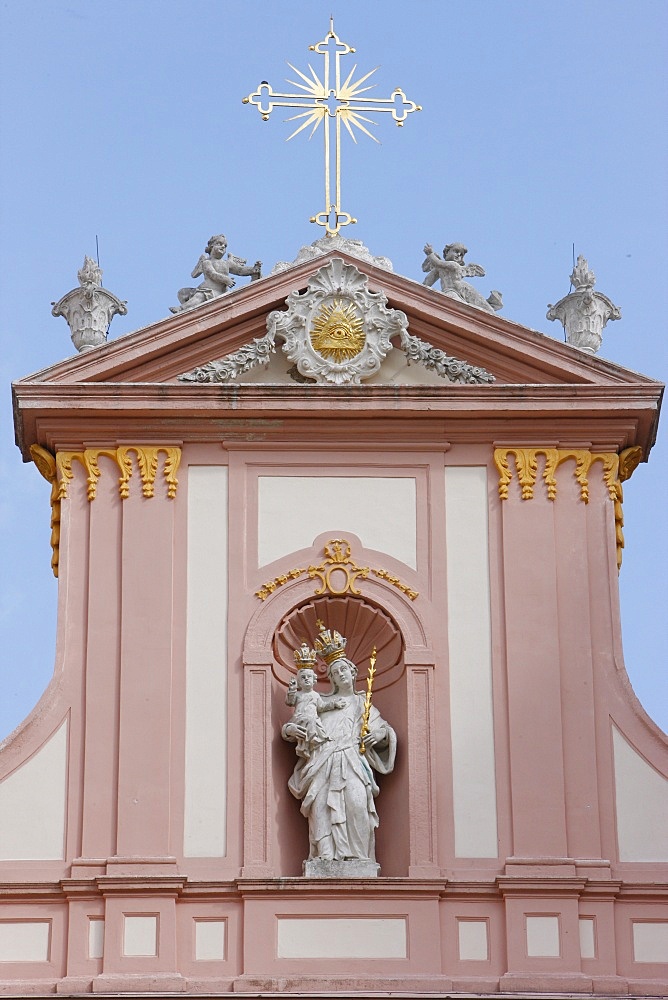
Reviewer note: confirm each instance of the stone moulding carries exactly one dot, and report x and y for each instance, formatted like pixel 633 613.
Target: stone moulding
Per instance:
pixel 337 574
pixel 57 470
pixel 616 469
pixel 365 327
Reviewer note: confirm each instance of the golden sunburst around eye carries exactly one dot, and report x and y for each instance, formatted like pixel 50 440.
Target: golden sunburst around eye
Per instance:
pixel 337 332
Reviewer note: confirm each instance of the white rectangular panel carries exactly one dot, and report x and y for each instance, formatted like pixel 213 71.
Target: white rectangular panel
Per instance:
pixel 24 940
pixel 206 664
pixel 294 510
pixel 650 940
pixel 342 937
pixel 470 661
pixel 95 937
pixel 140 936
pixel 543 937
pixel 473 943
pixel 587 938
pixel 210 940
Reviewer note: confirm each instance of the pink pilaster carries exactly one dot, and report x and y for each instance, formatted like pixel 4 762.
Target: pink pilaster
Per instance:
pixel 145 686
pixel 422 803
pixel 533 664
pixel 102 668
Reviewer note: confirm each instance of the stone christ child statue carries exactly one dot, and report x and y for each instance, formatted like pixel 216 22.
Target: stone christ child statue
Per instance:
pixel 335 782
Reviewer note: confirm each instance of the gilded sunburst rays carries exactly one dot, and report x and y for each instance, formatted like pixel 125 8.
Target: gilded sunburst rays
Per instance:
pixel 337 332
pixel 348 91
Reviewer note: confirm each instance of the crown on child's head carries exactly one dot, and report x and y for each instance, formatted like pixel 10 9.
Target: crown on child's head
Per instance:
pixel 305 657
pixel 330 644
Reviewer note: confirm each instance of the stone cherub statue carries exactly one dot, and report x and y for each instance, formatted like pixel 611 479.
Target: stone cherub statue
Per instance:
pixel 308 704
pixel 335 782
pixel 451 269
pixel 217 275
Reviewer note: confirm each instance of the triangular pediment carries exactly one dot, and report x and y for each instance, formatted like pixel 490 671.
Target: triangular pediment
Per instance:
pixel 512 354
pixel 426 355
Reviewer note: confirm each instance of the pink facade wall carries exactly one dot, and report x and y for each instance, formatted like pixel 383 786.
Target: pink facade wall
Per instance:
pixel 174 921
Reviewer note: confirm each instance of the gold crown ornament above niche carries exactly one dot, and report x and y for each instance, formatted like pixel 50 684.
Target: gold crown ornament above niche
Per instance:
pixel 338 574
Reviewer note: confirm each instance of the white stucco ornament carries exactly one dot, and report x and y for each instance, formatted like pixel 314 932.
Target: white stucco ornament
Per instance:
pixel 584 313
pixel 337 333
pixel 355 248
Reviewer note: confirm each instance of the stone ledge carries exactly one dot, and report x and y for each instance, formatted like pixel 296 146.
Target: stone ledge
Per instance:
pixel 357 868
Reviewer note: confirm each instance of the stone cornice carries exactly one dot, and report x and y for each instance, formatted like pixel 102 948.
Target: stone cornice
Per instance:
pixel 616 416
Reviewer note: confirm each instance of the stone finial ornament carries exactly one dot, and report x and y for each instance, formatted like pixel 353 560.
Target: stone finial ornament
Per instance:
pixel 584 313
pixel 452 270
pixel 217 274
pixel 89 309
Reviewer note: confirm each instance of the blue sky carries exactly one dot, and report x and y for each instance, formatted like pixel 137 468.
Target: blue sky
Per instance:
pixel 543 127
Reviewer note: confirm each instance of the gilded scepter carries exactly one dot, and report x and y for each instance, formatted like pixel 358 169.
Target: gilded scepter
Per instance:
pixel 364 731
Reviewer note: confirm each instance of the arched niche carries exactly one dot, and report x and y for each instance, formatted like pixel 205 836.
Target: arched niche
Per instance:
pixel 275 833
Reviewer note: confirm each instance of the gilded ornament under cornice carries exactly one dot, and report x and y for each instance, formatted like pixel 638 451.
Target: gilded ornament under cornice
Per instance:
pixel 46 465
pixel 337 333
pixel 57 470
pixel 147 462
pixel 616 468
pixel 338 574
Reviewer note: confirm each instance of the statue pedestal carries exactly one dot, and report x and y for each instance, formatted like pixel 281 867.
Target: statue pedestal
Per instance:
pixel 356 868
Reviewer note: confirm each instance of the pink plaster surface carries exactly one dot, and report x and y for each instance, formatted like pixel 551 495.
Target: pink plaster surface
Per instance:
pixel 558 675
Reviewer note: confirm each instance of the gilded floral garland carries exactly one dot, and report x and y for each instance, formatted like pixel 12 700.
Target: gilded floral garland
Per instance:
pixel 337 574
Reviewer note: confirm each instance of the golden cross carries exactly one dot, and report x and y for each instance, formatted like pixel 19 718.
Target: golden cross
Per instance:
pixel 327 100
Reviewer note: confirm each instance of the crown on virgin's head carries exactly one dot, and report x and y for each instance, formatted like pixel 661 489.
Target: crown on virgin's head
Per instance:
pixel 330 644
pixel 305 657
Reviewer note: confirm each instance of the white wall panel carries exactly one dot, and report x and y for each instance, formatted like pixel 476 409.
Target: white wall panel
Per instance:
pixel 473 940
pixel 140 936
pixel 293 510
pixel 206 664
pixel 543 937
pixel 587 937
pixel 32 805
pixel 470 661
pixel 342 937
pixel 24 940
pixel 210 940
pixel 95 937
pixel 641 798
pixel 650 940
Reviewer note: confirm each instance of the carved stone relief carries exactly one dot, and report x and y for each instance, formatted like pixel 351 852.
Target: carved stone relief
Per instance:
pixel 337 332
